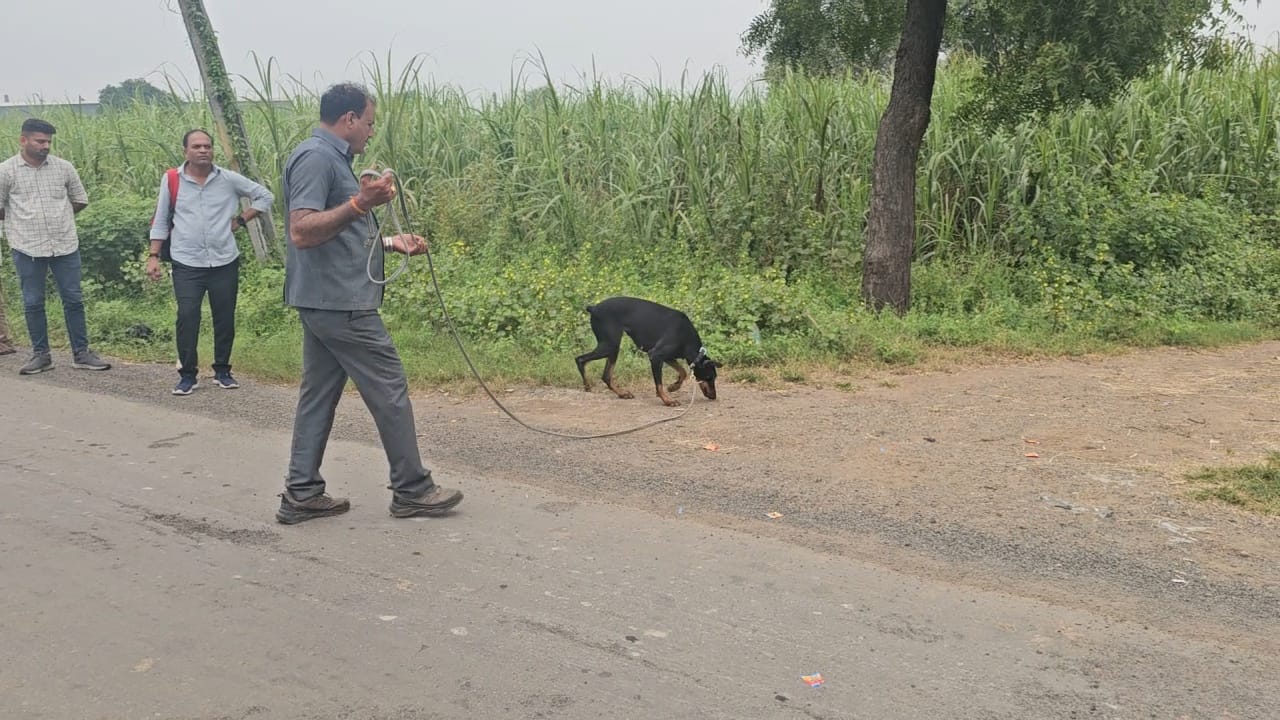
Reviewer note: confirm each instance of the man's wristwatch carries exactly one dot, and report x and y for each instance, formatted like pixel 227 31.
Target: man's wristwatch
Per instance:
pixel 240 221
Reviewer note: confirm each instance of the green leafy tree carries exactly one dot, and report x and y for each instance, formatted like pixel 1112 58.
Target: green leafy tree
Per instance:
pixel 1042 56
pixel 825 36
pixel 1037 57
pixel 132 91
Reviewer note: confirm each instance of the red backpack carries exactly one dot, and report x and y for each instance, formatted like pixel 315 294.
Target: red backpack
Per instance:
pixel 172 176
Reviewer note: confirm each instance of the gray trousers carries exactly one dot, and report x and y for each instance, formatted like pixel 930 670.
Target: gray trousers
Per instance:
pixel 337 345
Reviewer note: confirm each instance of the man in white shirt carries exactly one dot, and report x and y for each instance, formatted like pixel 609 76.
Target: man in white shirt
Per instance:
pixel 39 197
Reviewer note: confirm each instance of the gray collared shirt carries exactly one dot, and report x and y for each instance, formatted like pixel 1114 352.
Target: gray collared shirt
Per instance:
pixel 333 275
pixel 202 235
pixel 38 218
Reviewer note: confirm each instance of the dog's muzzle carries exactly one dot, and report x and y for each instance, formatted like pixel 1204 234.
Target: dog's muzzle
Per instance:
pixel 707 385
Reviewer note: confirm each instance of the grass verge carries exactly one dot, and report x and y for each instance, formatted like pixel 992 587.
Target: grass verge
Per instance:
pixel 1254 487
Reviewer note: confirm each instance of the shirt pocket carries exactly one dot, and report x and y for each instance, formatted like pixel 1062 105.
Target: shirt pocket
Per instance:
pixel 42 189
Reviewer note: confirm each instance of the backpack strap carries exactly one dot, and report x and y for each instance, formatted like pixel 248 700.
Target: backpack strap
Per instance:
pixel 172 174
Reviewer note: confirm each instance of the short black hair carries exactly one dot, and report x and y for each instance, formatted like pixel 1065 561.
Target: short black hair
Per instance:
pixel 193 131
pixel 36 125
pixel 341 99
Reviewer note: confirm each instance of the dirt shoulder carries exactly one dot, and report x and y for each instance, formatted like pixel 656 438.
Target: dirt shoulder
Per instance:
pixel 930 472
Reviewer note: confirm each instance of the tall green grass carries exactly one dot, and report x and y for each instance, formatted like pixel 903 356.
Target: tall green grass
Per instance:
pixel 780 173
pixel 1151 220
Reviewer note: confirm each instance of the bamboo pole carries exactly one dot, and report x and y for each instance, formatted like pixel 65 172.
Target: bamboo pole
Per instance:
pixel 229 124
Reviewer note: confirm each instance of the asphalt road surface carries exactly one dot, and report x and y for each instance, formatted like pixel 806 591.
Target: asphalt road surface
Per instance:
pixel 142 575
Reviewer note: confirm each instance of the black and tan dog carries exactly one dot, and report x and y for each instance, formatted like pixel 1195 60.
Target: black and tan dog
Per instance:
pixel 665 334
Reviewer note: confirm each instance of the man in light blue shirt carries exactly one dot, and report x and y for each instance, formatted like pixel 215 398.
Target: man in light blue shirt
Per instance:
pixel 204 253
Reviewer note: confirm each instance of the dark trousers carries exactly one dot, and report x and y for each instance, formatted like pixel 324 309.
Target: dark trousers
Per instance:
pixel 190 285
pixel 32 273
pixel 337 345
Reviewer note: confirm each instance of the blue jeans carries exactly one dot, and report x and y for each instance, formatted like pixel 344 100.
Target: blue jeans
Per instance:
pixel 32 272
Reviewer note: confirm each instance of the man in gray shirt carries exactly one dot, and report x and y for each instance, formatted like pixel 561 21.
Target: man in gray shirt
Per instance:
pixel 39 197
pixel 203 250
pixel 327 278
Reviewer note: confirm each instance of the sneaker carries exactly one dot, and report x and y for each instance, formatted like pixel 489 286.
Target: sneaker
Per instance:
pixel 225 381
pixel 436 501
pixel 292 511
pixel 185 386
pixel 38 363
pixel 89 360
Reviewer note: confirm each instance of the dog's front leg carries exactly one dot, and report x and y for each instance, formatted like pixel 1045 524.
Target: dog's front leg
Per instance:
pixel 682 376
pixel 664 397
pixel 656 363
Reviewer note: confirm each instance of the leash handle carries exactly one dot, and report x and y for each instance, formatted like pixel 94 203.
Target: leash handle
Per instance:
pixel 375 229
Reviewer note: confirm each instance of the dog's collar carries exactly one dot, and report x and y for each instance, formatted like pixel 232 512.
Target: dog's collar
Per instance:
pixel 702 355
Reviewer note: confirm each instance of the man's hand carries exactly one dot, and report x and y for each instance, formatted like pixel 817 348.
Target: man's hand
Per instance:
pixel 153 268
pixel 408 244
pixel 376 191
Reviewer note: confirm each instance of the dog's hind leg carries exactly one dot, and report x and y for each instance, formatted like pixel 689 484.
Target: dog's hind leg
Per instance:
pixel 608 377
pixel 681 377
pixel 602 351
pixel 608 341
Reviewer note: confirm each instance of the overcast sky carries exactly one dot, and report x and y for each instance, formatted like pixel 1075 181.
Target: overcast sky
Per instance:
pixel 73 48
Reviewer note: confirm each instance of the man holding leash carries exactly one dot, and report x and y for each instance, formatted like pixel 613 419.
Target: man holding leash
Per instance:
pixel 331 235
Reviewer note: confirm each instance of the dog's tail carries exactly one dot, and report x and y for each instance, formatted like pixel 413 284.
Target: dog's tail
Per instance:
pixel 591 309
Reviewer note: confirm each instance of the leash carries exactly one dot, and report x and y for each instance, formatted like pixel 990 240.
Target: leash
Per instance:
pixel 375 229
pixel 403 213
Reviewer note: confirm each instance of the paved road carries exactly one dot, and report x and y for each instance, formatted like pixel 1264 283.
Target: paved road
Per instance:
pixel 142 576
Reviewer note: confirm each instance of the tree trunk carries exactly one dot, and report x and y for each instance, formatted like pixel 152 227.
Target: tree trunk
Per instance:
pixel 891 222
pixel 226 113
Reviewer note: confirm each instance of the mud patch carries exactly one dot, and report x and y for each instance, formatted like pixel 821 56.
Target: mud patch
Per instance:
pixel 555 508
pixel 170 441
pixel 89 541
pixel 907 630
pixel 200 529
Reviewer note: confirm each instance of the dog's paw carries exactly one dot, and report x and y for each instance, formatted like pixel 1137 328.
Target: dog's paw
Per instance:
pixel 625 395
pixel 673 387
pixel 671 403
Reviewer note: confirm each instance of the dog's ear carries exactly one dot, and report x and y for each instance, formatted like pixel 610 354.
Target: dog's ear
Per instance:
pixel 715 364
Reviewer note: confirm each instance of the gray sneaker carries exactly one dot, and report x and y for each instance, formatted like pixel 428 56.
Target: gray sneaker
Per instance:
pixel 38 363
pixel 292 511
pixel 436 501
pixel 89 360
